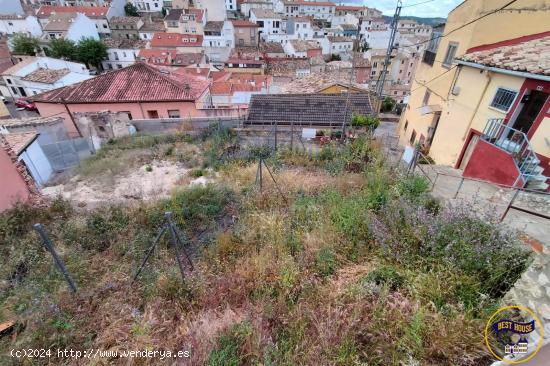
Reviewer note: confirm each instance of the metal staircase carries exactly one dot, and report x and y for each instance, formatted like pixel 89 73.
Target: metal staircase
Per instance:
pixel 516 143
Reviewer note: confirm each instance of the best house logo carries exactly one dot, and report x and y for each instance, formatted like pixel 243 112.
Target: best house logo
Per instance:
pixel 510 340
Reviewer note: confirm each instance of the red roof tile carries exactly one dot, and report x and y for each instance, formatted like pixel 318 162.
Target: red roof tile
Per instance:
pixel 136 83
pixel 176 40
pixel 244 23
pixel 20 141
pixel 350 7
pixel 157 57
pixel 90 11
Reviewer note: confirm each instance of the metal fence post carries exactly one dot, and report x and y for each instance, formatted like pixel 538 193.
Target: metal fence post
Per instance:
pixel 435 180
pixel 509 205
pixel 459 187
pixel 58 262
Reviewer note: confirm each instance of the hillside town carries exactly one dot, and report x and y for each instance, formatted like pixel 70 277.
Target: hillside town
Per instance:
pixel 345 111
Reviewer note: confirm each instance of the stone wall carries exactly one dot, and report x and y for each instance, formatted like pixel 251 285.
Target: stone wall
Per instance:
pixel 532 290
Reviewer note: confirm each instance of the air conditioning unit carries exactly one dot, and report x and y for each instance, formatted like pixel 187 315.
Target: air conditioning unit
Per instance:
pixel 456 90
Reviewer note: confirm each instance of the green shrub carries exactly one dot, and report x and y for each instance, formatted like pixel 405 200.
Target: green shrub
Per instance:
pixel 195 173
pixel 386 276
pixel 228 349
pixel 413 187
pixel 325 262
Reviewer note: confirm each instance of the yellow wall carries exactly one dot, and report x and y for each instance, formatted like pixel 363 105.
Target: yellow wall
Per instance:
pixel 523 18
pixel 541 139
pixel 4 113
pixel 469 109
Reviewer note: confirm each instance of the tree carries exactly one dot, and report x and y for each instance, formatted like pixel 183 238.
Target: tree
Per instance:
pixel 335 57
pixel 23 44
pixel 130 10
pixel 369 122
pixel 364 46
pixel 388 104
pixel 63 48
pixel 91 52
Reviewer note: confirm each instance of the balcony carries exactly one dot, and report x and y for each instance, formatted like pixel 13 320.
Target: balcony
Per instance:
pixel 429 57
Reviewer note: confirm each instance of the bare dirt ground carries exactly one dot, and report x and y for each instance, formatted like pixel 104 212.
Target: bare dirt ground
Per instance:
pixel 136 184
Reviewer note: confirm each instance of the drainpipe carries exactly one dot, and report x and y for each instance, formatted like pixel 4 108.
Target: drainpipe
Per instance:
pixel 64 102
pixel 467 131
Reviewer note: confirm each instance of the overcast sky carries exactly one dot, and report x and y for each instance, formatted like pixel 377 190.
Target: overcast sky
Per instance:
pixel 437 8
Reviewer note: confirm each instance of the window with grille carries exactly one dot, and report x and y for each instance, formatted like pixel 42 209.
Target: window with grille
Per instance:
pixel 503 99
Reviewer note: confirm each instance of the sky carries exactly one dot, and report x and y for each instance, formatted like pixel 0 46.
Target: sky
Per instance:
pixel 436 8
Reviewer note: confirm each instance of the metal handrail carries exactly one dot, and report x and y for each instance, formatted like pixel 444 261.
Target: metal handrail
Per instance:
pixel 514 142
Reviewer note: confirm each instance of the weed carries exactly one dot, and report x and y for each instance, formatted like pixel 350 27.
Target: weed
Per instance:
pixel 386 276
pixel 228 350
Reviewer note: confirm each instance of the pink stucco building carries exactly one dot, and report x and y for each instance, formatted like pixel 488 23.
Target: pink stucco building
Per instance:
pixel 140 90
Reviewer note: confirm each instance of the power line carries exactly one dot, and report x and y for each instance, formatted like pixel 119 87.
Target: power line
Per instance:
pixel 429 81
pixel 424 2
pixel 464 25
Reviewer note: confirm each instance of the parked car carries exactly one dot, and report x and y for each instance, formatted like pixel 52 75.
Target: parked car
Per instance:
pixel 25 103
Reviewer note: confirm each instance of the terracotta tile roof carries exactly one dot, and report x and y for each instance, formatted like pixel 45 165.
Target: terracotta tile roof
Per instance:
pixel 152 26
pixel 157 56
pixel 136 83
pixel 20 141
pixel 315 109
pixel 286 67
pixel 335 39
pixel 265 13
pixel 532 56
pixel 310 3
pixel 198 13
pixel 246 53
pixel 304 46
pixel 213 26
pixel 12 17
pixel 46 76
pixel 124 43
pixel 30 121
pixel 350 8
pixel 14 68
pixel 187 59
pixel 247 61
pixel 220 75
pixel 124 20
pixel 176 40
pixel 174 14
pixel 90 11
pixel 201 72
pixel 314 82
pixel 220 88
pixel 244 23
pixel 60 22
pixel 271 47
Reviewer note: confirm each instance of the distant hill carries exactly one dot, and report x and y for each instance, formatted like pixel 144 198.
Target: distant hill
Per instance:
pixel 420 20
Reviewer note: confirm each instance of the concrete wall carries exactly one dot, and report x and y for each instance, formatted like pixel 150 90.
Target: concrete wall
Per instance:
pixel 501 168
pixel 137 110
pixel 12 186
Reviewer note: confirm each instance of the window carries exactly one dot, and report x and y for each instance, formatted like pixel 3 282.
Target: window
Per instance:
pixel 450 55
pixel 503 99
pixel 153 114
pixel 413 137
pixel 406 125
pixel 9 81
pixel 426 98
pixel 119 66
pixel 175 113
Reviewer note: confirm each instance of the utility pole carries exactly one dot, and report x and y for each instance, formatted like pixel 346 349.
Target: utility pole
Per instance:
pixel 395 20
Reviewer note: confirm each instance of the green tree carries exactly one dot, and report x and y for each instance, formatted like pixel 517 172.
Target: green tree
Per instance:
pixel 23 44
pixel 364 46
pixel 335 57
pixel 91 52
pixel 131 10
pixel 388 104
pixel 371 123
pixel 62 48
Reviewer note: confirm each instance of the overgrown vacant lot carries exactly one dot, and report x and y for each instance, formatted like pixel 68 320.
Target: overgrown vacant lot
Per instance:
pixel 354 265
